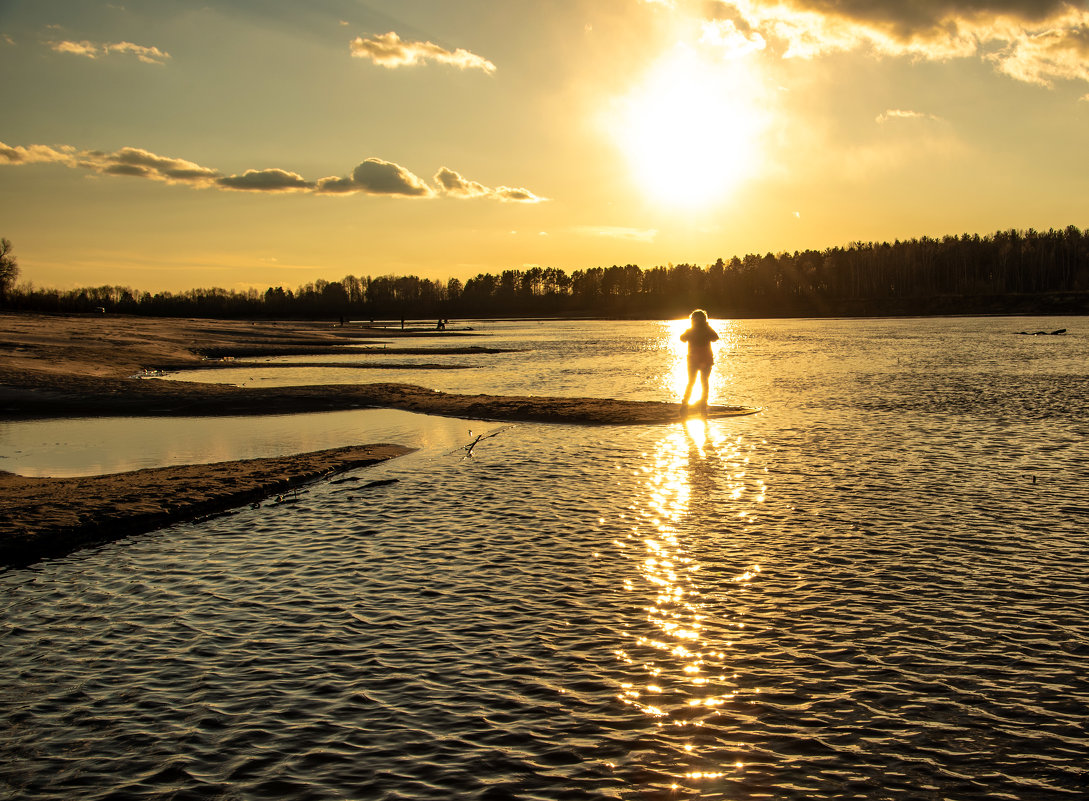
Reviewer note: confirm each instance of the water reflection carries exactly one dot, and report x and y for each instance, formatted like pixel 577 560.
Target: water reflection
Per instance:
pixel 98 445
pixel 917 626
pixel 645 361
pixel 677 659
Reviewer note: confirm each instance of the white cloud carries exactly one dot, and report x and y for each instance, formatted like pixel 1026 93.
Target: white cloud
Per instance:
pixel 1041 58
pixel 451 183
pixel 148 55
pixel 1035 41
pixel 270 180
pixel 35 154
pixel 377 177
pixel 515 194
pixel 372 176
pixel 88 49
pixel 139 163
pixel 734 43
pixel 390 51
pixel 901 114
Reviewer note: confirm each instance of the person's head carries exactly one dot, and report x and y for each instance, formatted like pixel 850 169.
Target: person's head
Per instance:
pixel 698 317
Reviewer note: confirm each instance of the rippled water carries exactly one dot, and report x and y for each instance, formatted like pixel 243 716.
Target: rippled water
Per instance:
pixel 877 588
pixel 89 446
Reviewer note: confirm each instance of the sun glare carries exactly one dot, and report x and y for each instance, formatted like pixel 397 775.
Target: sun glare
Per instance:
pixel 691 130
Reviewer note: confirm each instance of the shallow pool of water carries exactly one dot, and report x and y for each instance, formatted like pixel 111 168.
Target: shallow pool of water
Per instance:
pixel 95 445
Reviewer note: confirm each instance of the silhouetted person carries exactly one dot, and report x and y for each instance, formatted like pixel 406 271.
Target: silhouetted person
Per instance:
pixel 699 337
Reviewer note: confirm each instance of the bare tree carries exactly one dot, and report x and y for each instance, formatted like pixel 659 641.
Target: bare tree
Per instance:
pixel 9 269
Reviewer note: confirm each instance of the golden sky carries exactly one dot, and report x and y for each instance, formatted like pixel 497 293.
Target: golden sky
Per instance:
pixel 171 144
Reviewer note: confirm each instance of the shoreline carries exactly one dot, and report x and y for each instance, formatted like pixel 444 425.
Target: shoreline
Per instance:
pixel 82 396
pixel 78 366
pixel 52 517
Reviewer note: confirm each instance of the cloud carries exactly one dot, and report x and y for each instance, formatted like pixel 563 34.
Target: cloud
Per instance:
pixel 901 114
pixel 271 180
pixel 734 43
pixel 139 163
pixel 1043 57
pixel 516 194
pixel 1035 41
pixel 372 176
pixel 390 51
pixel 148 55
pixel 88 49
pixel 35 154
pixel 377 177
pixel 453 184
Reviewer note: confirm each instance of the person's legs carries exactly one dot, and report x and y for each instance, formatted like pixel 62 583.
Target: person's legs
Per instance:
pixel 705 380
pixel 692 370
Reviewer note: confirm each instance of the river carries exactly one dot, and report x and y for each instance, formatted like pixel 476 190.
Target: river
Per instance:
pixel 876 588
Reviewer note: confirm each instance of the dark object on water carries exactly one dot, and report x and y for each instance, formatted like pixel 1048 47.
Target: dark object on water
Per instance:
pixel 469 448
pixel 380 482
pixel 1043 333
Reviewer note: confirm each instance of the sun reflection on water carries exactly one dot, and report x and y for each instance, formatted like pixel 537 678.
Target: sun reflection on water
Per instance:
pixel 677 658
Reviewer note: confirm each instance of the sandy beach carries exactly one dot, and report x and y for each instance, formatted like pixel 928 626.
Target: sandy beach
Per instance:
pixel 96 365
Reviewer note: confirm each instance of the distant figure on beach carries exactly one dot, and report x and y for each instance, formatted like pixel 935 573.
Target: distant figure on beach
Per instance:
pixel 699 337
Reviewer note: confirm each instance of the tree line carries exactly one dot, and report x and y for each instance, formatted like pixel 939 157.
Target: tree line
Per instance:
pixel 1010 271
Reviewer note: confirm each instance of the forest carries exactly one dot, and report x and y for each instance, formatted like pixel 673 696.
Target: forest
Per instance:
pixel 1009 272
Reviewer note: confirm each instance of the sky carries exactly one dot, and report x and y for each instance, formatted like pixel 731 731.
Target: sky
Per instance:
pixel 175 144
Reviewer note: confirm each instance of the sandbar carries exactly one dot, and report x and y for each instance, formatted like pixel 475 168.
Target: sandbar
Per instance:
pixel 96 365
pixel 85 365
pixel 46 517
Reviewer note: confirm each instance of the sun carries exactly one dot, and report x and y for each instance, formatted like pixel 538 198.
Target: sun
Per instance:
pixel 692 129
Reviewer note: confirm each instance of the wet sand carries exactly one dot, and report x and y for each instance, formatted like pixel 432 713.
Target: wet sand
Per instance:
pixel 56 366
pixel 53 516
